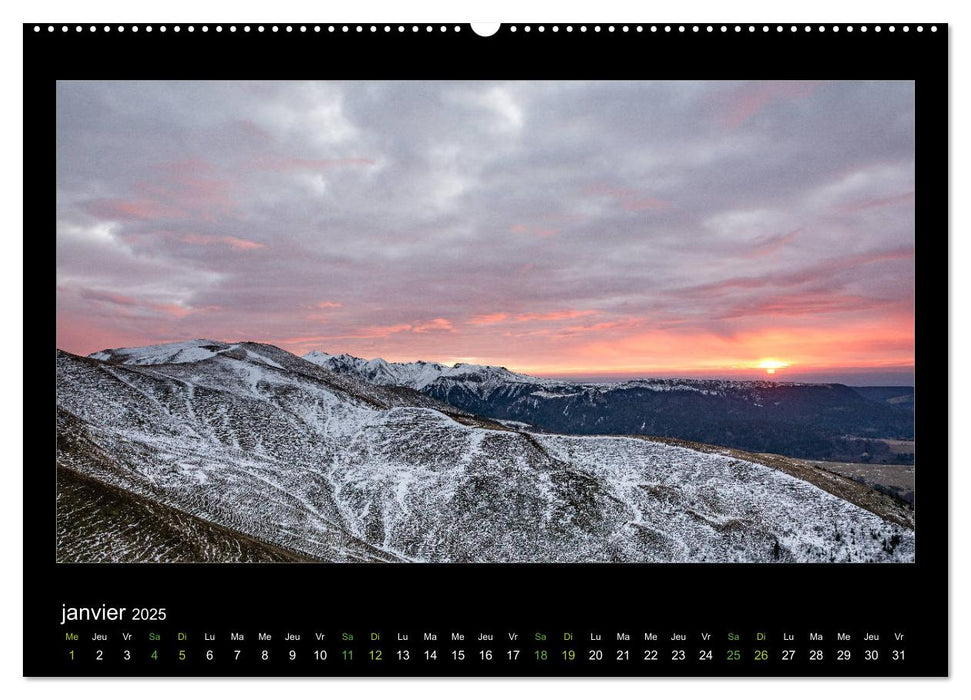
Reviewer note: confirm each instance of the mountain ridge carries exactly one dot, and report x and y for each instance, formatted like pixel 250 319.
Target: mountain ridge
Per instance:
pixel 284 455
pixel 805 420
pixel 420 373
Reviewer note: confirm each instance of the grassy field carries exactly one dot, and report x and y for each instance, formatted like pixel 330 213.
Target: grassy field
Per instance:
pixel 98 522
pixel 900 479
pixel 901 447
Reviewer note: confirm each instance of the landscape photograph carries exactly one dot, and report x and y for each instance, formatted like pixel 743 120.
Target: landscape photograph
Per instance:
pixel 468 322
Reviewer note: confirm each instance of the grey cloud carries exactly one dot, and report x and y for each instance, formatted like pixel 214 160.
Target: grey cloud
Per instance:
pixel 409 201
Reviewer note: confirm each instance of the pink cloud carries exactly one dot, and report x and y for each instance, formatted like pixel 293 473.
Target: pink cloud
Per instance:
pixel 604 326
pixel 802 304
pixel 602 330
pixel 181 190
pixel 241 243
pixel 132 210
pixel 488 319
pixel 770 245
pixel 382 331
pixel 436 324
pixel 553 315
pixel 737 105
pixel 197 197
pixel 108 297
pixel 231 241
pixel 875 203
pixel 812 274
pixel 298 340
pixel 131 306
pixel 494 318
pixel 326 307
pixel 173 310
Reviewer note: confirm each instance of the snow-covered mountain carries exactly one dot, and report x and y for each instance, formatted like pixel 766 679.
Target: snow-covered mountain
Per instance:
pixel 251 452
pixel 188 351
pixel 811 421
pixel 486 379
pixel 419 375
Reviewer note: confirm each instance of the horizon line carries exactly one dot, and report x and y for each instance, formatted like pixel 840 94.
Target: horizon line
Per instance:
pixel 849 376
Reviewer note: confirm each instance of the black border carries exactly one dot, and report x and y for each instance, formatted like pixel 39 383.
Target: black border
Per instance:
pixel 690 598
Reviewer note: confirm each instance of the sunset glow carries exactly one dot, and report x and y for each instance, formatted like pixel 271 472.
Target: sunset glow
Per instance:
pixel 526 224
pixel 770 366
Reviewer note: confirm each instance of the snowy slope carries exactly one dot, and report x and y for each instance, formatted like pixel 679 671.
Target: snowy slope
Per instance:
pixel 270 446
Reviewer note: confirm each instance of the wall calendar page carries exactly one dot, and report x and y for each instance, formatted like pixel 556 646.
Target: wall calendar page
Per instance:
pixel 570 350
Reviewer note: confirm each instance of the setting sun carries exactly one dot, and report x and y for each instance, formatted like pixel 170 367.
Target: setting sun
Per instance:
pixel 770 366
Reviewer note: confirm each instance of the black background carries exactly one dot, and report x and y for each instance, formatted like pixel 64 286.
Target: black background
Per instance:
pixel 828 598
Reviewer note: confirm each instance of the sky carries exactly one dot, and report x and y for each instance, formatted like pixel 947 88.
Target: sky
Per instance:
pixel 571 229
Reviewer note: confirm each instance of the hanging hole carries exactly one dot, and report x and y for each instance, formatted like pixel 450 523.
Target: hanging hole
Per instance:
pixel 485 28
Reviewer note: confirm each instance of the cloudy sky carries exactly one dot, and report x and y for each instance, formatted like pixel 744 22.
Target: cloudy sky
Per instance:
pixel 601 229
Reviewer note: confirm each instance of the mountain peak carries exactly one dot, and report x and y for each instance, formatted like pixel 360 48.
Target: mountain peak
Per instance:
pixel 191 351
pixel 416 375
pixel 164 353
